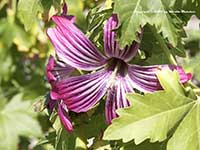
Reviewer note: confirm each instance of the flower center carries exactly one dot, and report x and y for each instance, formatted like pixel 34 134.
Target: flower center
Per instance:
pixel 118 66
pixel 119 69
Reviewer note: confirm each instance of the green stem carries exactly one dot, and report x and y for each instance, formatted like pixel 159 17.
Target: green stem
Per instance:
pixel 163 46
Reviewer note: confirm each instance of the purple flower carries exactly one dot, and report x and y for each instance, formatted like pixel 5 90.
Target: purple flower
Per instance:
pixel 57 71
pixel 111 74
pixel 64 118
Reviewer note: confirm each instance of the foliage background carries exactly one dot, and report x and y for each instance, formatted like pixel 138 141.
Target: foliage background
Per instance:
pixel 24 49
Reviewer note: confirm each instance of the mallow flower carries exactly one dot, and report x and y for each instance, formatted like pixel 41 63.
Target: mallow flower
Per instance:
pixel 56 71
pixel 109 74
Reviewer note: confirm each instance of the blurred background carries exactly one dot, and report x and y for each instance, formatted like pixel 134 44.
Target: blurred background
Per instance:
pixel 23 54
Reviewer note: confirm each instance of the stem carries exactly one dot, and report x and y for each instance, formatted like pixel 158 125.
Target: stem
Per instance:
pixel 163 46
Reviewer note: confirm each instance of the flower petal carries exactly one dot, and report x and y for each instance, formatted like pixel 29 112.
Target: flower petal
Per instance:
pixel 116 98
pixel 64 14
pixel 65 120
pixel 131 51
pixel 144 78
pixel 80 93
pixel 56 71
pixel 111 47
pixel 184 77
pixel 73 47
pixel 51 104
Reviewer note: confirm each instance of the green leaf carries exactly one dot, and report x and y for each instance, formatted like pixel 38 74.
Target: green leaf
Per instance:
pixel 146 145
pixel 50 138
pixel 16 119
pixel 64 140
pixel 108 4
pixel 92 127
pixel 28 11
pixel 7 33
pixel 151 115
pixel 140 12
pixel 191 64
pixel 183 6
pixel 68 141
pixel 95 19
pixel 187 134
pixel 134 17
pixel 153 50
pixel 23 40
pixel 50 7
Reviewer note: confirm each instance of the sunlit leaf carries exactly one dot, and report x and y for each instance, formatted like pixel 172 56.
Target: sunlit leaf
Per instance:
pixel 28 11
pixel 108 4
pixel 186 136
pixel 135 13
pixel 16 119
pixel 153 115
pixel 51 7
pixel 146 145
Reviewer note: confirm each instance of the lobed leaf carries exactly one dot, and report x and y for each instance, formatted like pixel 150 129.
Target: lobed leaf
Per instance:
pixel 155 12
pixel 187 135
pixel 153 115
pixel 15 120
pixel 28 11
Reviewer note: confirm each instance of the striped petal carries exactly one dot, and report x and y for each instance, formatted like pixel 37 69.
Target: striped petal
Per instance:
pixel 73 47
pixel 116 98
pixel 51 104
pixel 111 47
pixel 184 77
pixel 143 78
pixel 80 93
pixel 64 14
pixel 64 118
pixel 56 71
